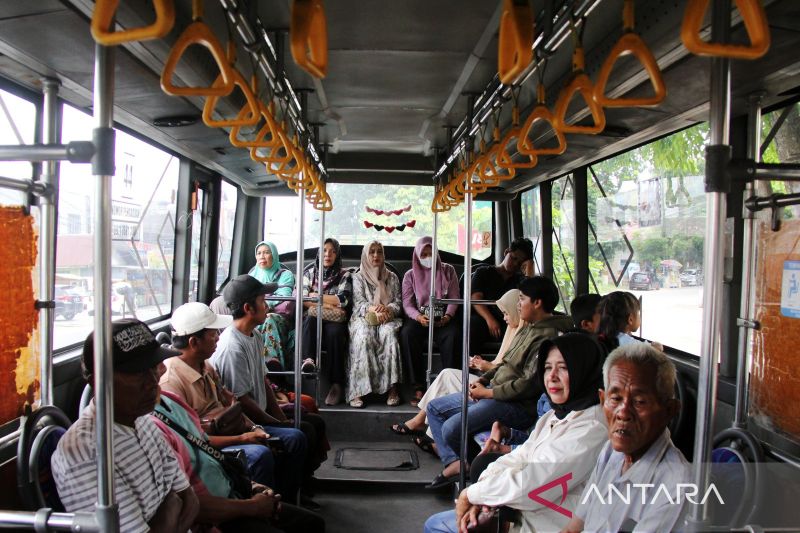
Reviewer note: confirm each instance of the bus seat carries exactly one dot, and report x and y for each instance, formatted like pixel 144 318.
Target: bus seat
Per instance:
pixel 36 445
pixel 736 472
pixel 86 397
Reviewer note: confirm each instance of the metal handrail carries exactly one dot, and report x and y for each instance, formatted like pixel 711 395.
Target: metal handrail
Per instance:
pixel 74 152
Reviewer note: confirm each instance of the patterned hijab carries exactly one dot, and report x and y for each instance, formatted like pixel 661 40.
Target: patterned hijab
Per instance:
pixel 422 275
pixel 333 274
pixel 376 277
pixel 267 275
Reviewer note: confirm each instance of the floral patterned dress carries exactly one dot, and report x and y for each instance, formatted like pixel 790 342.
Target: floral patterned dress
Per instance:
pixel 374 364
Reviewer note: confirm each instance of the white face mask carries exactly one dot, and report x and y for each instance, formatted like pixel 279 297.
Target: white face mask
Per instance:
pixel 425 262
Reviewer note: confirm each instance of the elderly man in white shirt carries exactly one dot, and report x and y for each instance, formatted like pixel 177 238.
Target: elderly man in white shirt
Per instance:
pixel 543 478
pixel 639 461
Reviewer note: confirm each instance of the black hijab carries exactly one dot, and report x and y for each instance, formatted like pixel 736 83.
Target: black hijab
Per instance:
pixel 584 357
pixel 332 274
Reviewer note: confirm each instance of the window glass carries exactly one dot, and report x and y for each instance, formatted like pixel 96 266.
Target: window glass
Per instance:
pixel 17 126
pixel 784 147
pixel 226 222
pixel 647 214
pixel 564 240
pixel 351 223
pixel 532 224
pixel 143 195
pixel 197 232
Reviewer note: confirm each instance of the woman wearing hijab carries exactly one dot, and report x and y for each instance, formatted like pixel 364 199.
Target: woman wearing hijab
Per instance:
pixel 278 328
pixel 417 305
pixel 448 380
pixel 337 294
pixel 563 446
pixel 374 364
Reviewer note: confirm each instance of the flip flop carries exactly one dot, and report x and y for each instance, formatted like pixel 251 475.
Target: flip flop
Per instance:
pixel 403 429
pixel 425 444
pixel 441 481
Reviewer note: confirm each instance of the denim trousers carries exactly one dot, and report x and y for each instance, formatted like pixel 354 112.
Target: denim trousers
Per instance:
pixel 444 522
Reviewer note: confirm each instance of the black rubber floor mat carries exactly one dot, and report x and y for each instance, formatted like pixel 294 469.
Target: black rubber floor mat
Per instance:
pixel 372 459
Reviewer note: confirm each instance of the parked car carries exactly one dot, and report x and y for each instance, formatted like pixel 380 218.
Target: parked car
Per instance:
pixel 644 281
pixel 68 303
pixel 691 278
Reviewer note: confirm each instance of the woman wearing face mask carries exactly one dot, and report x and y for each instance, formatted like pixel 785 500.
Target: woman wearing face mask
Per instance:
pixel 418 308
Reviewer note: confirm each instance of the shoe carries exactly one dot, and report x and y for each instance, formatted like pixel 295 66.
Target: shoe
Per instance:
pixel 334 395
pixel 394 398
pixel 372 318
pixel 357 403
pixel 441 481
pixel 425 444
pixel 308 366
pixel 403 429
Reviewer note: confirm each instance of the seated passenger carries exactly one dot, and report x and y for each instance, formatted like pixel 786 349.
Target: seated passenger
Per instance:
pixel 374 364
pixel 490 283
pixel 417 305
pixel 638 402
pixel 449 380
pixel 508 392
pixel 150 487
pixel 240 366
pixel 278 328
pixel 620 315
pixel 585 312
pixel 565 441
pixel 220 505
pixel 191 377
pixel 337 290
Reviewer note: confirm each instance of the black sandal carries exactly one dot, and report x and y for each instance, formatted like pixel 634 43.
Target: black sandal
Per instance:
pixel 425 444
pixel 403 429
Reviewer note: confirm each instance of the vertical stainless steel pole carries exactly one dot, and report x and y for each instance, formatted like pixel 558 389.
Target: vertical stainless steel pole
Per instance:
pixel 746 310
pixel 103 369
pixel 713 255
pixel 298 312
pixel 320 277
pixel 434 255
pixel 47 241
pixel 465 337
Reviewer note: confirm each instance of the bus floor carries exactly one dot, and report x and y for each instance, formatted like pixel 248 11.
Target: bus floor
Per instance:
pixel 362 501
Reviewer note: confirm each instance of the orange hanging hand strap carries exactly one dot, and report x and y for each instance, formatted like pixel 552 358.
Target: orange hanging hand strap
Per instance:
pixel 308 34
pixel 249 115
pixel 583 85
pixel 755 23
pixel 103 18
pixel 515 42
pixel 198 33
pixel 540 114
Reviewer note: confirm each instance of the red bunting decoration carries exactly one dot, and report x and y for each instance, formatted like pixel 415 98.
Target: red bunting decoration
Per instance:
pixel 388 212
pixel 389 229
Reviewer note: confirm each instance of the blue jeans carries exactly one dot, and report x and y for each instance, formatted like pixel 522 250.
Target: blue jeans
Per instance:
pixel 444 522
pixel 286 468
pixel 444 419
pixel 260 462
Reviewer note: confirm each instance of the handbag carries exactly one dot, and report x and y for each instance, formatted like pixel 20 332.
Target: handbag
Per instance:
pixel 225 420
pixel 331 314
pixel 438 311
pixel 233 462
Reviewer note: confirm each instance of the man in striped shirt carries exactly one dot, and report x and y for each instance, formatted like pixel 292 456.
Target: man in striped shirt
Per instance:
pixel 151 490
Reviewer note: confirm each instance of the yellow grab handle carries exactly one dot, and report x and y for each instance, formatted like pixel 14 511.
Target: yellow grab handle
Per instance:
pixel 252 112
pixel 515 42
pixel 631 43
pixel 755 23
pixel 198 33
pixel 103 17
pixel 505 157
pixel 308 33
pixel 525 144
pixel 471 174
pixel 583 85
pixel 264 137
pixel 492 172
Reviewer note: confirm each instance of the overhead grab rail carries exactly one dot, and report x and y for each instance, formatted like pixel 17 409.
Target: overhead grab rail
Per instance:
pixel 249 114
pixel 308 34
pixel 755 23
pixel 630 43
pixel 515 42
pixel 581 84
pixel 198 33
pixel 103 20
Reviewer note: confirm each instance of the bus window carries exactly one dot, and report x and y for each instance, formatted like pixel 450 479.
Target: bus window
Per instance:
pixel 783 148
pixel 349 219
pixel 532 224
pixel 564 240
pixel 647 209
pixel 17 125
pixel 143 194
pixel 226 222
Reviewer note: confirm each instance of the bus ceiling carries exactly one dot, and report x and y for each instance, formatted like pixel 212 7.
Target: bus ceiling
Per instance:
pixel 397 80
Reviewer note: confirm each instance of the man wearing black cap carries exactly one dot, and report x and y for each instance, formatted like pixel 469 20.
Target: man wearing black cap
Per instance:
pixel 151 490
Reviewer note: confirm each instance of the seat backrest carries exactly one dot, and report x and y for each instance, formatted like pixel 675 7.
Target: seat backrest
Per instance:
pixel 37 443
pixel 737 460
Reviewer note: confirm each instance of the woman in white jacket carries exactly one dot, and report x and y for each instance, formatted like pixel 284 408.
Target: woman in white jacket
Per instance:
pixel 543 478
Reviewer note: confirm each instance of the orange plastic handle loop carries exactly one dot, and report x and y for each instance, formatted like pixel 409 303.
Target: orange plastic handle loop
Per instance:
pixel 515 42
pixel 279 155
pixel 263 138
pixel 525 144
pixel 493 173
pixel 471 175
pixel 325 204
pixel 583 85
pixel 631 43
pixel 505 158
pixel 755 23
pixel 103 17
pixel 250 118
pixel 198 33
pixel 308 32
